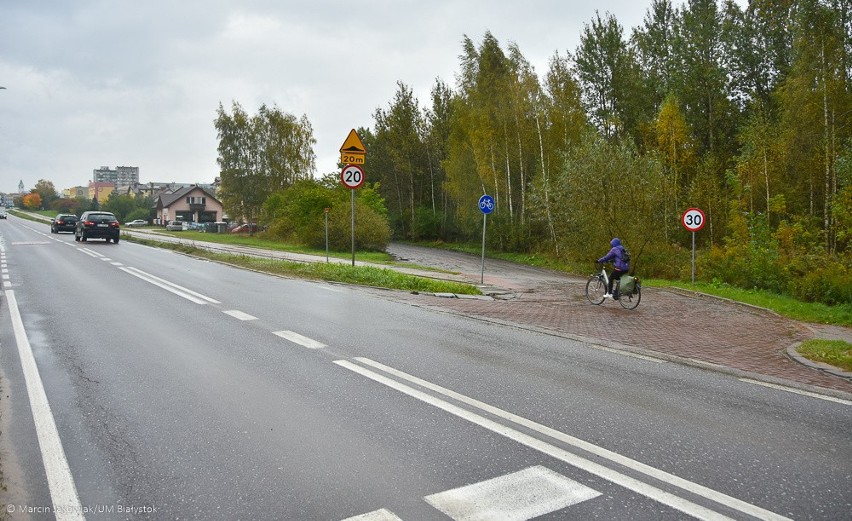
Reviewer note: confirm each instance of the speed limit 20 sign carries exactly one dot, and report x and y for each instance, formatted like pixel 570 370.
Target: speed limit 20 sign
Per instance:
pixel 693 219
pixel 352 176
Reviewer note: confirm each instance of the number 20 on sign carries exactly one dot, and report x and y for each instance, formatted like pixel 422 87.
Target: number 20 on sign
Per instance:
pixel 352 176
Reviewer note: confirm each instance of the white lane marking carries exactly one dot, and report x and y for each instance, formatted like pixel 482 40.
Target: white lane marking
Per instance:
pixel 239 315
pixel 89 253
pixel 105 259
pixel 519 496
pixel 7 284
pixel 180 291
pixel 296 338
pixel 5 276
pixel 376 515
pixel 625 481
pixel 63 492
pixel 796 391
pixel 116 264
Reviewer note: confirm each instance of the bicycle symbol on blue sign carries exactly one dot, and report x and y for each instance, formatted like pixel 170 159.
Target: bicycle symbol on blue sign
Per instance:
pixel 486 204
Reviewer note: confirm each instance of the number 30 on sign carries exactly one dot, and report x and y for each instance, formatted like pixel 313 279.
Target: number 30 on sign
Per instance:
pixel 352 176
pixel 693 219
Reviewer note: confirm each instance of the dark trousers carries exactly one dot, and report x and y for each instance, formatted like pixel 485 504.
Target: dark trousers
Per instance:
pixel 613 276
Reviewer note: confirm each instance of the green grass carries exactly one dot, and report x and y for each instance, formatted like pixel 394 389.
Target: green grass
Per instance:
pixel 270 244
pixel 833 352
pixel 333 272
pixel 783 305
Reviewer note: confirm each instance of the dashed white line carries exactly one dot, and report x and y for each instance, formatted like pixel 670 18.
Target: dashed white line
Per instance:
pixel 296 338
pixel 239 315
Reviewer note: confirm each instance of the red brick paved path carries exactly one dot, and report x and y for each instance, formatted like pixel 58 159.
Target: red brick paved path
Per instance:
pixel 683 324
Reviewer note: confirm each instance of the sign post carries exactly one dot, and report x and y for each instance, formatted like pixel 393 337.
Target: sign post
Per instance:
pixel 352 176
pixel 352 153
pixel 486 205
pixel 693 220
pixel 325 211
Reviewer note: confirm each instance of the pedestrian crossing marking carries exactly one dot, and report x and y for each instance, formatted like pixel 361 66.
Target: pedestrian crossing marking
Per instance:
pixel 519 496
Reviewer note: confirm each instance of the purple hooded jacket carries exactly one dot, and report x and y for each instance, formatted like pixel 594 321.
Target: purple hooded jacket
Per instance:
pixel 616 254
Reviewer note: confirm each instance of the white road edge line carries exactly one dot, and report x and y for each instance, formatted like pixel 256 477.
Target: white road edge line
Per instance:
pixel 63 492
pixel 796 391
pixel 186 293
pixel 296 338
pixel 570 458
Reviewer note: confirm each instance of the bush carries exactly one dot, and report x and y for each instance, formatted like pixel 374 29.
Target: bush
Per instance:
pixel 426 224
pixel 372 231
pixel 829 283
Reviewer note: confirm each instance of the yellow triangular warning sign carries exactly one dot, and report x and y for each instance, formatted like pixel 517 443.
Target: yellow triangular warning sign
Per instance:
pixel 353 144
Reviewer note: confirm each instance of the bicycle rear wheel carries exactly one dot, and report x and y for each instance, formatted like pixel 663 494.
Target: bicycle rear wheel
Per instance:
pixel 595 290
pixel 631 300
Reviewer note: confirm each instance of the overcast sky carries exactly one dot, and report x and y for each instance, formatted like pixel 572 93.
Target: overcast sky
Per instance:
pixel 93 83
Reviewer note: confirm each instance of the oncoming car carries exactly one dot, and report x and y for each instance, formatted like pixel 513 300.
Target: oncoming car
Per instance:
pixel 97 225
pixel 136 222
pixel 64 222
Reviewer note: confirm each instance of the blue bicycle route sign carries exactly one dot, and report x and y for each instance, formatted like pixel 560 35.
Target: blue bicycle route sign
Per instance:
pixel 486 204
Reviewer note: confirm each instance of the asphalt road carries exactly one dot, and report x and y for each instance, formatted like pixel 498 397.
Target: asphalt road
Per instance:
pixel 186 389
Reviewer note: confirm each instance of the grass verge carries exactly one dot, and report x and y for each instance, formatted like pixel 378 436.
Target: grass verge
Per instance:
pixel 783 305
pixel 832 352
pixel 333 272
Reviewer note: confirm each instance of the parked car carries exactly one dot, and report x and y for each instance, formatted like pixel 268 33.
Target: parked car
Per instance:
pixel 136 223
pixel 174 226
pixel 245 228
pixel 64 222
pixel 97 225
pixel 2 213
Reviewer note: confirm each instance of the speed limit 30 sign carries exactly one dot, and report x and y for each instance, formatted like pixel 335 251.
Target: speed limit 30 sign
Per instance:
pixel 693 219
pixel 352 176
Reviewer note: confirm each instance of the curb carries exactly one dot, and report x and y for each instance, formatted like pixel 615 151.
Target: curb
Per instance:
pixel 794 354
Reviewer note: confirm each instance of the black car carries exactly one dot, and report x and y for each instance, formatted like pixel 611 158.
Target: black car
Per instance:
pixel 64 222
pixel 97 225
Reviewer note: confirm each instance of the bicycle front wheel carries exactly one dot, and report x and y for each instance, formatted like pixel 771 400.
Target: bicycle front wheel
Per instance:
pixel 595 290
pixel 631 300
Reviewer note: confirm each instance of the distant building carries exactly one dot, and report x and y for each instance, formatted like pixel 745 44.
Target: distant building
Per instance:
pixel 121 177
pixel 192 203
pixel 76 192
pixel 100 191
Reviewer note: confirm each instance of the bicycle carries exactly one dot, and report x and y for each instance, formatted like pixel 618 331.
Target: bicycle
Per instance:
pixel 597 285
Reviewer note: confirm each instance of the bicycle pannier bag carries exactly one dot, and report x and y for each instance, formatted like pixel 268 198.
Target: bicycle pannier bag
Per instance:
pixel 628 283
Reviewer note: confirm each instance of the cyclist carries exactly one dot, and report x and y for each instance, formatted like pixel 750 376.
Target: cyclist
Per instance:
pixel 620 265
